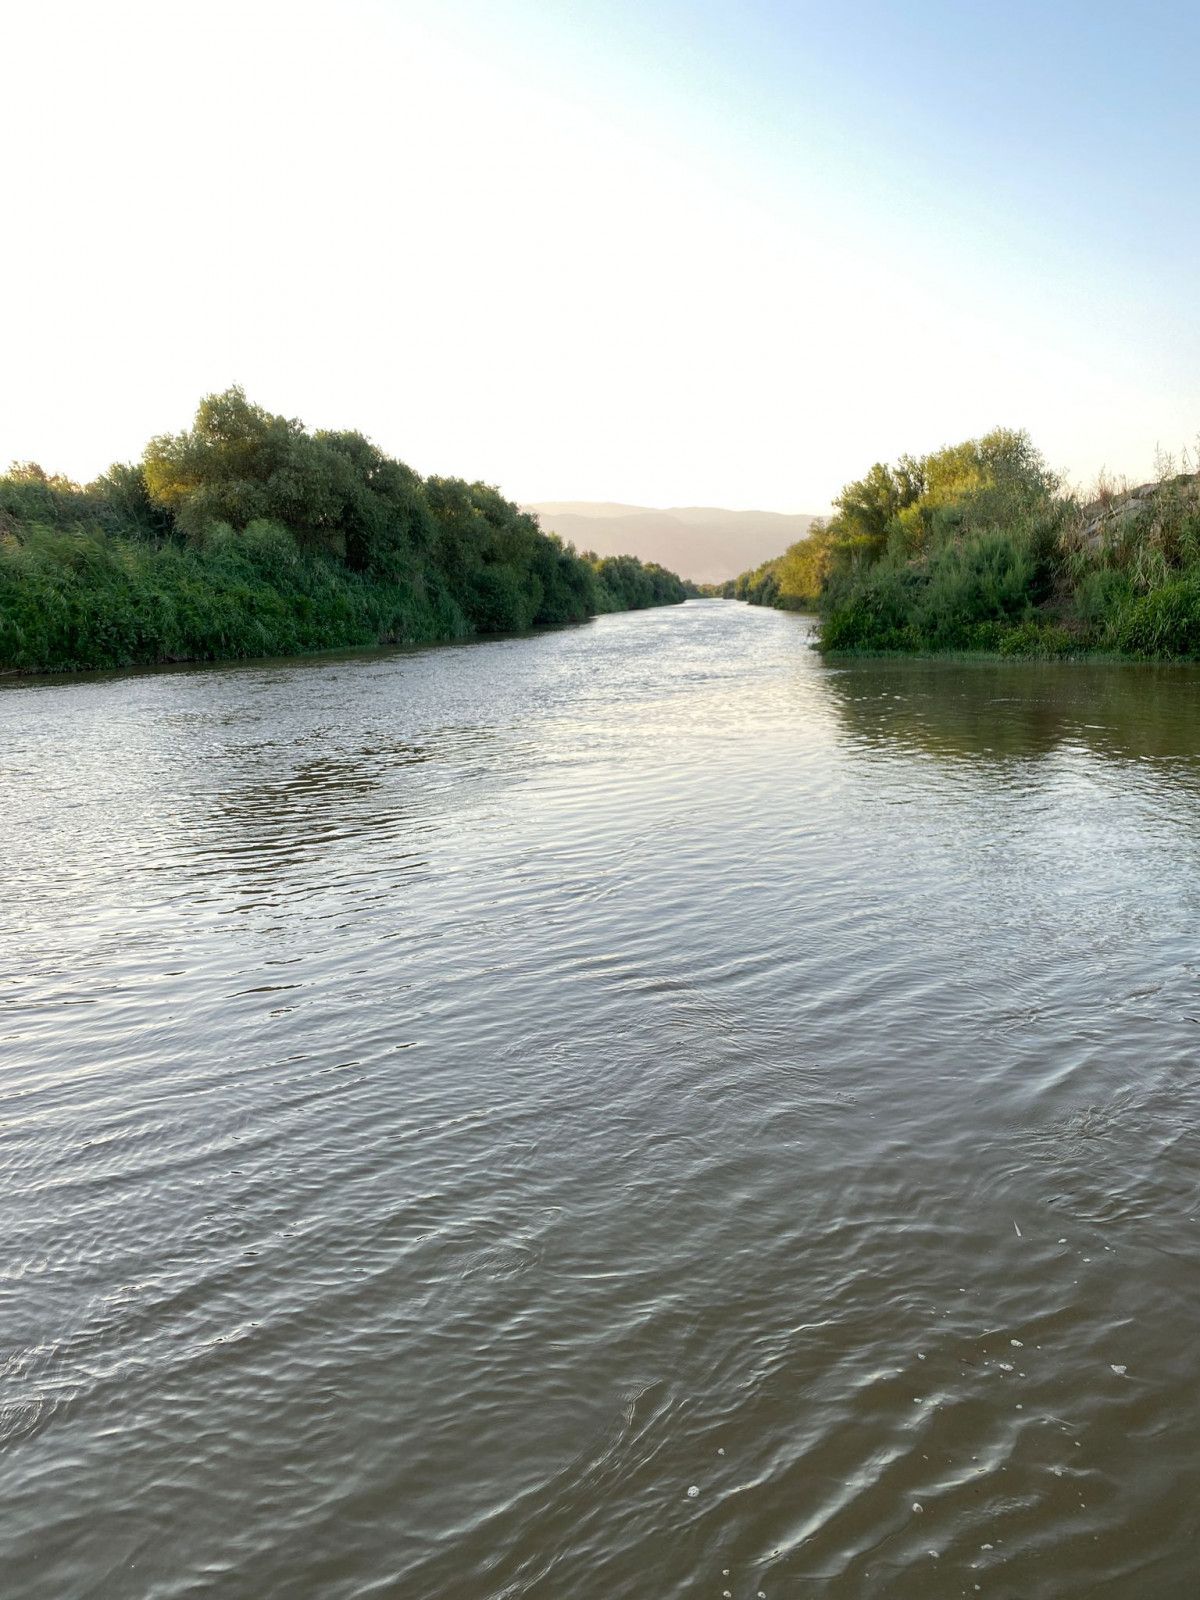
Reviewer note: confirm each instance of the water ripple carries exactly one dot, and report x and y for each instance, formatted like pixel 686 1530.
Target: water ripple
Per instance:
pixel 633 1111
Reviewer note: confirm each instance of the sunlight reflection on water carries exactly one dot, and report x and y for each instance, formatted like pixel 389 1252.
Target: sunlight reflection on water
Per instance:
pixel 457 1102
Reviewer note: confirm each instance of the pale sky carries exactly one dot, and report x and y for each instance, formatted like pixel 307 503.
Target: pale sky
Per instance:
pixel 632 250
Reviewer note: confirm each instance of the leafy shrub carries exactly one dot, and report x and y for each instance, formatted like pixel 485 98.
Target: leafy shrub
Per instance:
pixel 1101 594
pixel 1164 623
pixel 1042 640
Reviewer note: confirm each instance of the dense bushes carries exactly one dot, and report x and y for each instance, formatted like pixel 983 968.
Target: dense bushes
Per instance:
pixel 623 583
pixel 72 599
pixel 1164 623
pixel 791 582
pixel 974 548
pixel 247 535
pixel 983 578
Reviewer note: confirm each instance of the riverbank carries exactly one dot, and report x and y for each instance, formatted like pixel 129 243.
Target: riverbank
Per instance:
pixel 976 549
pixel 248 536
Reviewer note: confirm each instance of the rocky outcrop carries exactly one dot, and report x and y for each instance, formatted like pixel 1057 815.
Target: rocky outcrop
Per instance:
pixel 1108 519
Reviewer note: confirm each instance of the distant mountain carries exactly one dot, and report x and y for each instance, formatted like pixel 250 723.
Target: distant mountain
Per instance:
pixel 704 543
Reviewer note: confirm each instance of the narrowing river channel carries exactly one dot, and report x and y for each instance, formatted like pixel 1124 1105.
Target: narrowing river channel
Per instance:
pixel 638 1112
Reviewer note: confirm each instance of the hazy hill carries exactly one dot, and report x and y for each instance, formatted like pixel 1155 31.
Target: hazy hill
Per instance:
pixel 704 543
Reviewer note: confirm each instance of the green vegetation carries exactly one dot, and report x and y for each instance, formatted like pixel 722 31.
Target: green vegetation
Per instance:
pixel 975 548
pixel 791 582
pixel 248 535
pixel 623 583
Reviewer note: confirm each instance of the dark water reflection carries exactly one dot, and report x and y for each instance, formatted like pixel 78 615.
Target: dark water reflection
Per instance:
pixel 458 1103
pixel 993 710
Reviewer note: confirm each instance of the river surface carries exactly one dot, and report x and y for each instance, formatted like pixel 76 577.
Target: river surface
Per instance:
pixel 629 1113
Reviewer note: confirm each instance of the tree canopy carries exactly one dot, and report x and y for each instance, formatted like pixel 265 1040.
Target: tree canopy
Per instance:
pixel 243 491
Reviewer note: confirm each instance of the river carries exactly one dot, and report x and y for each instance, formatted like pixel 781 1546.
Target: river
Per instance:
pixel 637 1111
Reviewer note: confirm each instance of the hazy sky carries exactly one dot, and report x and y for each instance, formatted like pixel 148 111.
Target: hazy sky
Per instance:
pixel 633 250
